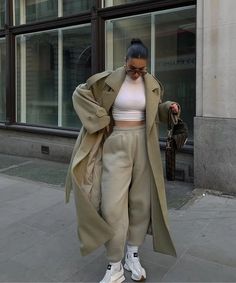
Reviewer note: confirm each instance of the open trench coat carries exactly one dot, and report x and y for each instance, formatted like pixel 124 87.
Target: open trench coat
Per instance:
pixel 92 102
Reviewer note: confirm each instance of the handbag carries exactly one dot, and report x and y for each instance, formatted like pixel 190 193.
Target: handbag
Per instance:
pixel 176 138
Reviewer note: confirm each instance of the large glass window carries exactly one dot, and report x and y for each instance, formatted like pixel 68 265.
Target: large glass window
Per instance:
pixel 76 69
pixel 71 7
pixel 29 11
pixel 50 65
pixel 2 13
pixel 170 37
pixel 2 79
pixel 175 53
pixel 109 3
pixel 118 36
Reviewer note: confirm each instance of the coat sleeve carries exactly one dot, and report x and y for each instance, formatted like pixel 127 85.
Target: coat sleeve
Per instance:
pixel 92 115
pixel 163 109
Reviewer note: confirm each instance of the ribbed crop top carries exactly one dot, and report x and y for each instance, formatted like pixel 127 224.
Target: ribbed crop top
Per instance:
pixel 130 102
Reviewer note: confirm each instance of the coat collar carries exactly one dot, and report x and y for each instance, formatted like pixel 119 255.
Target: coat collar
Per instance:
pixel 116 78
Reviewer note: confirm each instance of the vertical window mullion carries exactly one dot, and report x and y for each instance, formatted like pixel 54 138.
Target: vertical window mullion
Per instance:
pixel 60 65
pixel 22 65
pixel 60 76
pixel 23 79
pixel 10 66
pixel 109 46
pixel 60 8
pixel 22 12
pixel 153 47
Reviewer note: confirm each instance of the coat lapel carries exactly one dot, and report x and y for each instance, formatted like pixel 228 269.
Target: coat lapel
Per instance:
pixel 152 91
pixel 112 86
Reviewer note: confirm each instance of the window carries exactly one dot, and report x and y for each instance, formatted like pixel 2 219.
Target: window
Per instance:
pixel 50 65
pixel 71 7
pixel 170 38
pixel 30 11
pixel 2 79
pixel 176 59
pixel 2 13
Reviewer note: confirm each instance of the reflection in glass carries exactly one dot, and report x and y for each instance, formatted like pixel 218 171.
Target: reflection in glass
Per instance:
pixel 109 3
pixel 29 11
pixel 37 82
pixel 76 69
pixel 49 66
pixel 119 34
pixel 2 79
pixel 175 63
pixel 2 13
pixel 71 7
pixel 170 38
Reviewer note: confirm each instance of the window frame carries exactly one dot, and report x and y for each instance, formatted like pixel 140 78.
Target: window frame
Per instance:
pixel 96 17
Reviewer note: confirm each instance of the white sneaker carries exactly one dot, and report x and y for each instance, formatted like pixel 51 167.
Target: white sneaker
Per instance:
pixel 113 276
pixel 133 264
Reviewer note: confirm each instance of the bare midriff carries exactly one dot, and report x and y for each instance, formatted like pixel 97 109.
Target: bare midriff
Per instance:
pixel 127 124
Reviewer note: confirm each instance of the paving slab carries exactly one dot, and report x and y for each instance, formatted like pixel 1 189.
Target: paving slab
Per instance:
pixel 147 253
pixel 15 210
pixel 194 269
pixel 52 219
pixel 5 181
pixel 59 256
pixel 16 189
pixel 17 238
pixel 39 243
pixel 217 245
pixel 11 271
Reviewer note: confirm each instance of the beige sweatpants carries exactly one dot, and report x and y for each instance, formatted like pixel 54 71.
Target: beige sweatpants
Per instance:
pixel 126 188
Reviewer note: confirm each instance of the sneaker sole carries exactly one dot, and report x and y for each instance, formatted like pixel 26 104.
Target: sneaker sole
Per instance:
pixel 142 279
pixel 119 280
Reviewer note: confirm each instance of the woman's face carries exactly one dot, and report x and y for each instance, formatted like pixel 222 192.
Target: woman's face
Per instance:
pixel 136 67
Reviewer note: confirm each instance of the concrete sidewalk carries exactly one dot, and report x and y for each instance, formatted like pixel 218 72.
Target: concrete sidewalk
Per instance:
pixel 38 241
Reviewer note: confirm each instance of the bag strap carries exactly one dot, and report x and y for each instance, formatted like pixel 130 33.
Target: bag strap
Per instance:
pixel 170 124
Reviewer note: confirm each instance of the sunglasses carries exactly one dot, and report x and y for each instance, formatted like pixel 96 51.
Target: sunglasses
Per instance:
pixel 141 72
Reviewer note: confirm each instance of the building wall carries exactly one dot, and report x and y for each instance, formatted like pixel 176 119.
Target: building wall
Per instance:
pixel 215 121
pixel 59 46
pixel 49 147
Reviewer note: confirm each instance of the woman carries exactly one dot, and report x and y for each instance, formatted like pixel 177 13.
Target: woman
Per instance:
pixel 116 169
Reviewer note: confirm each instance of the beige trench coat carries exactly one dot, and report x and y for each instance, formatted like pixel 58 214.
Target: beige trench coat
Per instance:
pixel 92 102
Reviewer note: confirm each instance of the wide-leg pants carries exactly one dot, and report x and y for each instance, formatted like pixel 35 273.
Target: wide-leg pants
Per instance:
pixel 126 188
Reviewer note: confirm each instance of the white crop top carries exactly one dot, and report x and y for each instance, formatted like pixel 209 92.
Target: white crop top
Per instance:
pixel 130 102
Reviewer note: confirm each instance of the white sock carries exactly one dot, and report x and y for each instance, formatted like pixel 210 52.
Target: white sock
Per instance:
pixel 132 249
pixel 115 265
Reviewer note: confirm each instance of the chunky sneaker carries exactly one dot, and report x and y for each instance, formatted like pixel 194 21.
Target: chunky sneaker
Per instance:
pixel 133 264
pixel 113 276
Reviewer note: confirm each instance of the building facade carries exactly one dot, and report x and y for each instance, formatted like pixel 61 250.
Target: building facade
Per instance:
pixel 48 47
pixel 215 120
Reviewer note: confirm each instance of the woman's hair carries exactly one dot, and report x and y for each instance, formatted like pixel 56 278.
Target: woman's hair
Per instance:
pixel 137 50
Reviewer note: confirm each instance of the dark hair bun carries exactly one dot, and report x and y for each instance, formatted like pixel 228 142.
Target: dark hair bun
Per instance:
pixel 137 50
pixel 136 41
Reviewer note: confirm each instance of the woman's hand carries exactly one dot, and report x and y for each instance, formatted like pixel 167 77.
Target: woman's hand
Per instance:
pixel 174 108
